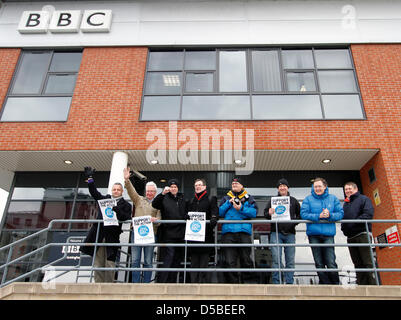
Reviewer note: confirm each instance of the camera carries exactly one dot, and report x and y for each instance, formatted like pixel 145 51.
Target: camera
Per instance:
pixel 237 201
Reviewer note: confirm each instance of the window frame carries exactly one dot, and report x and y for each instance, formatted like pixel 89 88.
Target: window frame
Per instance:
pixel 43 85
pixel 250 85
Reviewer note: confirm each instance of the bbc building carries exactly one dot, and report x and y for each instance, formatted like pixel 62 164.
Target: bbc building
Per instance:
pixel 197 89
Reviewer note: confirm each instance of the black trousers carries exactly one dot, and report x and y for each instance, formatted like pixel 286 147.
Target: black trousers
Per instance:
pixel 199 260
pixel 172 258
pixel 232 255
pixel 361 258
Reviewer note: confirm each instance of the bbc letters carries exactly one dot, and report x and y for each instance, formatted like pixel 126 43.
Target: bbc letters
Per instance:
pixel 66 21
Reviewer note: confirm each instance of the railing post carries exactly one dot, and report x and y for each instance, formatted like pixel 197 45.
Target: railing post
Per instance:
pixel 278 254
pixel 94 251
pixel 371 254
pixel 185 260
pixel 6 268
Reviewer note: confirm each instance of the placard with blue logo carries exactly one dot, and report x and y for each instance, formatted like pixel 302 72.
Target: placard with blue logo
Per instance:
pixel 281 206
pixel 143 230
pixel 196 225
pixel 109 216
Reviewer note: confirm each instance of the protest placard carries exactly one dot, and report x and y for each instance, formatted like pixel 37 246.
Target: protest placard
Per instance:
pixel 143 230
pixel 281 206
pixel 196 225
pixel 109 216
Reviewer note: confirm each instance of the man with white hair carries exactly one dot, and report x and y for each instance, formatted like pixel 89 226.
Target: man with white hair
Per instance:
pixel 143 207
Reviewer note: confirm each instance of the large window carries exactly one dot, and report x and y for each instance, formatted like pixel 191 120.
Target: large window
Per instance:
pixel 42 87
pixel 251 84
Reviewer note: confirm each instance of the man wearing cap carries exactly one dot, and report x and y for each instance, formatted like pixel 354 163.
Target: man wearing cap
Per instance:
pixel 172 206
pixel 237 205
pixel 285 234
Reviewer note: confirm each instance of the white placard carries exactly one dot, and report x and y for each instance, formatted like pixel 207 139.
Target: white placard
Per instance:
pixel 143 230
pixel 109 216
pixel 281 206
pixel 196 225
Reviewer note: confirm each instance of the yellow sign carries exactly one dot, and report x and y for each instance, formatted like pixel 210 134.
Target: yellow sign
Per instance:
pixel 376 196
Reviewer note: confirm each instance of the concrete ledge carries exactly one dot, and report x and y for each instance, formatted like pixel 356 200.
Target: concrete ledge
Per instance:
pixel 128 291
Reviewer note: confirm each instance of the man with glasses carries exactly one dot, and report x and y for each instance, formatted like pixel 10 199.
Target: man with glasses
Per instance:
pixel 201 202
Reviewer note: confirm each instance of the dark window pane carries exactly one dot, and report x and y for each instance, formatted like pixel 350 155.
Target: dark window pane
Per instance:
pixel 216 108
pixel 297 59
pixel 200 60
pixel 337 81
pixel 161 108
pixel 266 71
pixel 333 58
pixel 286 107
pixel 31 73
pixel 66 61
pixel 163 83
pixel 199 82
pixel 232 71
pixel 36 109
pixel 60 83
pixel 84 211
pixel 301 81
pixel 37 214
pixel 166 60
pixel 66 180
pixel 342 107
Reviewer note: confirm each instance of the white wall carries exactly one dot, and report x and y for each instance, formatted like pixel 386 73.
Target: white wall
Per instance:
pixel 236 22
pixel 3 200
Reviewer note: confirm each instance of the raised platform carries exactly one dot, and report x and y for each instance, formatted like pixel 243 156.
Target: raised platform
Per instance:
pixel 126 291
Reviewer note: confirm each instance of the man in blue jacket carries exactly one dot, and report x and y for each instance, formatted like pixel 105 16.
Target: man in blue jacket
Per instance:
pixel 321 206
pixel 358 206
pixel 237 205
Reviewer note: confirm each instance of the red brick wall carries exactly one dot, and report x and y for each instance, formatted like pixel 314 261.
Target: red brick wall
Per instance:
pixel 106 105
pixel 378 69
pixel 109 88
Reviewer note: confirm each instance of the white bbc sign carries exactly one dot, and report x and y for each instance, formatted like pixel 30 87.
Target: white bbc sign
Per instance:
pixel 66 21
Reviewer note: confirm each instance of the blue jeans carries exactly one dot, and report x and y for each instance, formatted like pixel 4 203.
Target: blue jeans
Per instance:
pixel 136 253
pixel 289 253
pixel 325 257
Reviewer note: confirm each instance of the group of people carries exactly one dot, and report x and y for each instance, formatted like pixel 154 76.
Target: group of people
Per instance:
pixel 321 208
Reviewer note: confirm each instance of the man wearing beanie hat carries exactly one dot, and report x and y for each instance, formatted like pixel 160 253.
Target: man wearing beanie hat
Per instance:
pixel 285 234
pixel 172 206
pixel 237 205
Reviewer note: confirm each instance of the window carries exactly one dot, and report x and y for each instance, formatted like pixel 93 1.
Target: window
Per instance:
pixel 42 87
pixel 251 84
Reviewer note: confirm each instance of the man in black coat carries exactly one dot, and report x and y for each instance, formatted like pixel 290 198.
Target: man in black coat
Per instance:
pixel 201 202
pixel 105 256
pixel 172 206
pixel 286 234
pixel 358 206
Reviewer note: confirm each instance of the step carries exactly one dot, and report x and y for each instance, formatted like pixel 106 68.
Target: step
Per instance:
pixel 159 291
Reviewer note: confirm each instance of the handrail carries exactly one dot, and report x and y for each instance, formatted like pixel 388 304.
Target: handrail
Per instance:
pixel 186 245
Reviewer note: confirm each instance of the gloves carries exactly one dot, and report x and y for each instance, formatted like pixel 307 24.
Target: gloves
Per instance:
pixel 88 171
pixel 213 221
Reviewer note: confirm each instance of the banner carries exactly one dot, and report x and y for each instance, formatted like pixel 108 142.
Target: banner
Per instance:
pixel 109 216
pixel 281 206
pixel 143 230
pixel 196 225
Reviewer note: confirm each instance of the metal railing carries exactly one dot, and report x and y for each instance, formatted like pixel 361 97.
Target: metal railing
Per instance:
pixel 185 269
